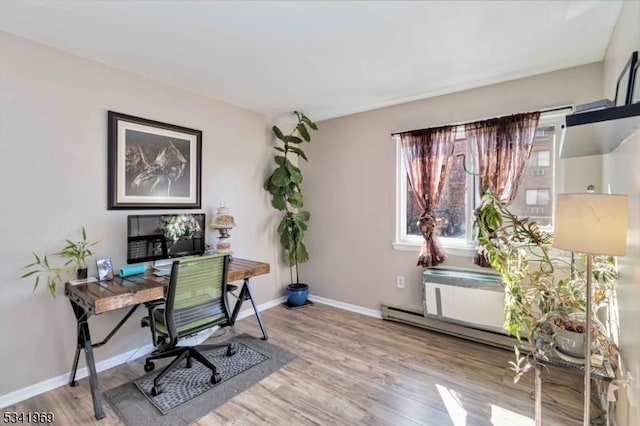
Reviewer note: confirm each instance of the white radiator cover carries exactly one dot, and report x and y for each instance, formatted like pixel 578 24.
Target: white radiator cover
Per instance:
pixel 468 298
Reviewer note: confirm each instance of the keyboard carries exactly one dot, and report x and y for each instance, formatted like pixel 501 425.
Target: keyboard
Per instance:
pixel 162 272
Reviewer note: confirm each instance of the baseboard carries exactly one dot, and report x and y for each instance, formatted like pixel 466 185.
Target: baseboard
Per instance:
pixel 262 307
pixel 346 306
pixel 61 380
pixel 417 319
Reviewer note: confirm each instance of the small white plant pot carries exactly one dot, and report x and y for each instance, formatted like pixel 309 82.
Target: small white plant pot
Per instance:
pixel 570 343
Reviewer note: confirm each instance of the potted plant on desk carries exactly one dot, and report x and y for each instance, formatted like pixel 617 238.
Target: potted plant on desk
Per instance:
pixel 76 252
pixel 284 186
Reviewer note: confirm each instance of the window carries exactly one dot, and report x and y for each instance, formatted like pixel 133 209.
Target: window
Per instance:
pixel 454 213
pixel 537 197
pixel 541 158
pixel 450 211
pixel 537 211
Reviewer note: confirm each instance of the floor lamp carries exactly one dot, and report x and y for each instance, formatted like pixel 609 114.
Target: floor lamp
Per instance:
pixel 595 224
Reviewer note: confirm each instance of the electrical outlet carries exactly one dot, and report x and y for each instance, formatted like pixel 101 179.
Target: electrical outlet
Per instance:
pixel 399 281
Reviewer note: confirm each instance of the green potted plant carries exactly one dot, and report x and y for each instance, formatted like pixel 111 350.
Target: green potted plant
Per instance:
pixel 77 252
pixel 544 294
pixel 284 186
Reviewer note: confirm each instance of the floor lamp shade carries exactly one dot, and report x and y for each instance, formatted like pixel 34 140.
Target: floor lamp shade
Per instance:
pixel 591 223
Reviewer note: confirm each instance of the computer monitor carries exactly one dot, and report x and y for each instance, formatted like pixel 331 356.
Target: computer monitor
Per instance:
pixel 163 236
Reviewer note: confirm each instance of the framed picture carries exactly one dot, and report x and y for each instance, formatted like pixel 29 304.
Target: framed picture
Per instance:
pixel 152 165
pixel 624 86
pixel 105 269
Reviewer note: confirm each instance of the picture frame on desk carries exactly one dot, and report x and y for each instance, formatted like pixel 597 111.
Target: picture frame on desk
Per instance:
pixel 626 82
pixel 105 269
pixel 152 165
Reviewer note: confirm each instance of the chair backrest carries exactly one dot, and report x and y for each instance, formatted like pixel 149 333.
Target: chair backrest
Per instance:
pixel 196 297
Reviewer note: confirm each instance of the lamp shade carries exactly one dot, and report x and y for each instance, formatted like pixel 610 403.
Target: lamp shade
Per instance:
pixel 591 223
pixel 223 219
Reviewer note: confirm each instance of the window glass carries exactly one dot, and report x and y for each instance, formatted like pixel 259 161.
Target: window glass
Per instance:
pixel 536 187
pixel 451 209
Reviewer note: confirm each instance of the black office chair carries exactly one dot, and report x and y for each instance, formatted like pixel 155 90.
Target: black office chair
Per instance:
pixel 196 301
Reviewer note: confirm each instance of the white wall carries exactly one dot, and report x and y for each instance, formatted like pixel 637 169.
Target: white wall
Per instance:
pixel 350 183
pixel 621 175
pixel 53 148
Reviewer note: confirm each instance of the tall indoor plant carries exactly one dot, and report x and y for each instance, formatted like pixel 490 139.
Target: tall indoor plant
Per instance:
pixel 286 196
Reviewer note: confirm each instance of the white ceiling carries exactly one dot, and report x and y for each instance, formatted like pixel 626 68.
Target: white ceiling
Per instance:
pixel 327 58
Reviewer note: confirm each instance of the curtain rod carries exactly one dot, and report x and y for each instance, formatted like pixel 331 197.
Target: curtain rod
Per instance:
pixel 473 121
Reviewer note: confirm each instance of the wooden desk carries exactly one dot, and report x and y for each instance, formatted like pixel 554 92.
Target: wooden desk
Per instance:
pixel 100 297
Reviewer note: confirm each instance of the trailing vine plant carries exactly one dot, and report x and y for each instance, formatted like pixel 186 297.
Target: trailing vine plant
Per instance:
pixel 542 291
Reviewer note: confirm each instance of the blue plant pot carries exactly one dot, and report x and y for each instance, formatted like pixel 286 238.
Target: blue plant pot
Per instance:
pixel 297 294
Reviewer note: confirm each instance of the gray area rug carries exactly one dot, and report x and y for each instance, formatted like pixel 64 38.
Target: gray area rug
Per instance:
pixel 183 404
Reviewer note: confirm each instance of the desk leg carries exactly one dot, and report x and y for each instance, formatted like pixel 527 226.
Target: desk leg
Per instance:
pixel 79 346
pixel 84 341
pixel 247 294
pixel 538 392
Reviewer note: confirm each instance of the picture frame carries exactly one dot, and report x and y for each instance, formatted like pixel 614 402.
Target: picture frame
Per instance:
pixel 625 83
pixel 152 165
pixel 105 269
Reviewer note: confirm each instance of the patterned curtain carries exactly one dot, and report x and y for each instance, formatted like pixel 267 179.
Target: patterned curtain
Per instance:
pixel 428 155
pixel 500 149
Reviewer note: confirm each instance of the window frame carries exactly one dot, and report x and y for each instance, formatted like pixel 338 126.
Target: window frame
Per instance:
pixel 467 247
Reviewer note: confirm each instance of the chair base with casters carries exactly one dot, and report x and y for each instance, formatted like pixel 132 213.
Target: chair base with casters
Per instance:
pixel 180 354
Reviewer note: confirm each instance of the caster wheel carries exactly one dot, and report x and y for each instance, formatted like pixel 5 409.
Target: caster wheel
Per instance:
pixel 215 378
pixel 230 351
pixel 156 390
pixel 149 366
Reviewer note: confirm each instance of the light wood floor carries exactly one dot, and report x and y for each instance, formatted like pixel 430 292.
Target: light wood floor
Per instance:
pixel 356 370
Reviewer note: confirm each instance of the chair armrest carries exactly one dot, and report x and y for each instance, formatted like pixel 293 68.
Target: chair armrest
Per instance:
pixel 154 303
pixel 150 320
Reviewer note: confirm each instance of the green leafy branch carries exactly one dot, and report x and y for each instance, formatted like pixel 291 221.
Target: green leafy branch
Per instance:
pixel 41 266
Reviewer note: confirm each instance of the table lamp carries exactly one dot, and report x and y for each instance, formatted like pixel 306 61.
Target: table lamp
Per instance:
pixel 223 222
pixel 594 224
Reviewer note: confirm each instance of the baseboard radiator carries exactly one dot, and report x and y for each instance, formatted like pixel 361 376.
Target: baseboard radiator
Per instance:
pixel 460 303
pixel 416 318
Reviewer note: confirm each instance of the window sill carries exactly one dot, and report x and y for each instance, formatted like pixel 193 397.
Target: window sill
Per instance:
pixel 460 249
